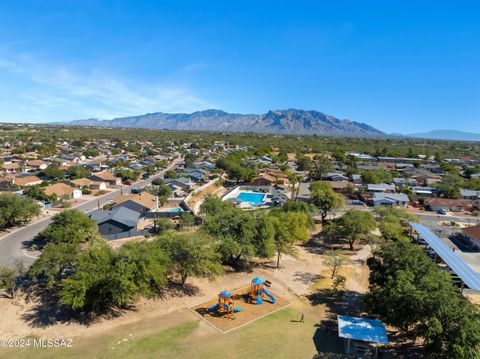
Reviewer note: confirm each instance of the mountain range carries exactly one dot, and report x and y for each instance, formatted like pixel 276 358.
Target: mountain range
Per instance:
pixel 291 121
pixel 448 135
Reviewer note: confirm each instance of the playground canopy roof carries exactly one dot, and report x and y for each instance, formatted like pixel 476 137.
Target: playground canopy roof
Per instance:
pixel 225 294
pixel 367 330
pixel 257 281
pixel 463 270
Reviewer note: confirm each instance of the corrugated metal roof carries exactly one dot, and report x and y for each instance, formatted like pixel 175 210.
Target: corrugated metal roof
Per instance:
pixel 457 264
pixel 367 330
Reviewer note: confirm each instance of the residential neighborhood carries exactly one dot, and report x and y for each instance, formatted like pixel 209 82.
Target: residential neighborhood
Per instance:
pixel 278 180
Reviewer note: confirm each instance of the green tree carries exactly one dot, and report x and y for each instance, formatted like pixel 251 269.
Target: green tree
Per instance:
pixel 54 262
pixel 16 209
pixel 38 193
pixel 212 205
pixel 282 156
pixel 290 227
pixel 302 207
pixel 321 166
pixel 334 261
pixel 170 175
pixel 77 171
pixel 52 172
pixel 162 191
pixel 240 234
pixel 355 225
pixel 324 198
pixel 450 186
pixel 401 274
pixel 104 278
pixel 187 219
pixel 338 283
pixel 391 222
pixel 70 226
pixel 8 281
pixel 163 225
pixel 90 152
pixel 304 163
pixel 294 185
pixel 127 175
pixel 377 176
pixel 192 255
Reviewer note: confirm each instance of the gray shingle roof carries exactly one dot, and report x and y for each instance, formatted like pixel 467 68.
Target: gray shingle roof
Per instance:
pixel 120 214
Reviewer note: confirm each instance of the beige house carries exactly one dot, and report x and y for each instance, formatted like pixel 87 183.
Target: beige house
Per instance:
pixel 25 181
pixel 35 165
pixel 10 168
pixel 446 204
pixel 62 189
pixel 141 202
pixel 107 177
pixel 91 184
pixel 271 179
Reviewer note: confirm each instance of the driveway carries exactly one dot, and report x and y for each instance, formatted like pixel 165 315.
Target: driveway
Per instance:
pixel 11 245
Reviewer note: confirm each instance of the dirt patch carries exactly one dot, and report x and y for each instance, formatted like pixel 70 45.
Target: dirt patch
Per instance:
pixel 249 311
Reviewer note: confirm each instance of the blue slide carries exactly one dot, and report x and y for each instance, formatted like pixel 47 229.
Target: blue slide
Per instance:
pixel 235 309
pixel 225 307
pixel 272 299
pixel 259 299
pixel 211 309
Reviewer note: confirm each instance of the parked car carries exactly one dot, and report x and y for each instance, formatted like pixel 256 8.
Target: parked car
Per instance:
pixel 441 211
pixel 357 202
pixel 146 176
pixel 128 182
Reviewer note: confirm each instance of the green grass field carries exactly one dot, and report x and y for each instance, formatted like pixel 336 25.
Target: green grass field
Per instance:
pixel 273 336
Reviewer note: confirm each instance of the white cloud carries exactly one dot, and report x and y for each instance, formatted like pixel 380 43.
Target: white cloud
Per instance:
pixel 96 93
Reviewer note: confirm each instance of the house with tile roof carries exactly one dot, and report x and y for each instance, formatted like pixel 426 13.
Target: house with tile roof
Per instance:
pixel 473 234
pixel 63 190
pixel 141 202
pixel 25 181
pixel 107 177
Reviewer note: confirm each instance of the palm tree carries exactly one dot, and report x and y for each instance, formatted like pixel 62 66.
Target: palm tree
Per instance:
pixel 294 185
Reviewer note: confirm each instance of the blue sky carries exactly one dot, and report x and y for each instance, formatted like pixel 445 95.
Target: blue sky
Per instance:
pixel 398 66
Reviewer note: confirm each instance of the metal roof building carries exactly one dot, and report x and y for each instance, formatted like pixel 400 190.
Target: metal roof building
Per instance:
pixel 457 264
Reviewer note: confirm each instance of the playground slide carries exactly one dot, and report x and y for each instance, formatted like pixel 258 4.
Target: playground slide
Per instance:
pixel 273 300
pixel 259 299
pixel 211 309
pixel 236 309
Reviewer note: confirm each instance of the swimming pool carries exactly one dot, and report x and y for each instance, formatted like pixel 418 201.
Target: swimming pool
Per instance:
pixel 175 210
pixel 253 199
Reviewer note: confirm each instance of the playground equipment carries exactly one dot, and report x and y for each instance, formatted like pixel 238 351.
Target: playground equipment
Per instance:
pixel 257 291
pixel 225 305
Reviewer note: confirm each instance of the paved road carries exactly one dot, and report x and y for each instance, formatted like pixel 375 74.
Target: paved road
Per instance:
pixel 11 245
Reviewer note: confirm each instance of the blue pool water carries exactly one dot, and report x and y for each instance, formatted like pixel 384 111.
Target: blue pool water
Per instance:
pixel 176 210
pixel 254 199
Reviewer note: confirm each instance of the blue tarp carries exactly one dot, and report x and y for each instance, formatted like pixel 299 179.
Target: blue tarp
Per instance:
pixel 457 264
pixel 367 330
